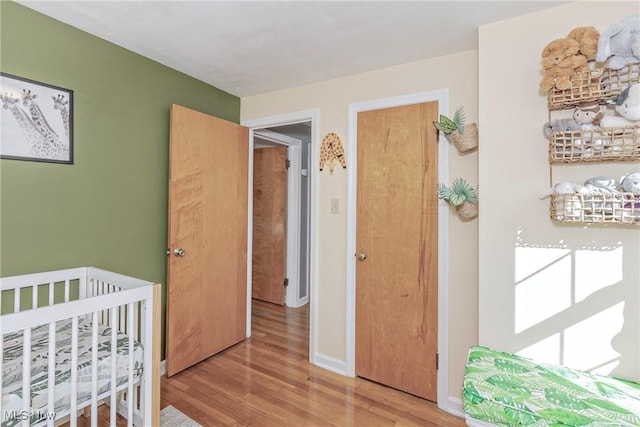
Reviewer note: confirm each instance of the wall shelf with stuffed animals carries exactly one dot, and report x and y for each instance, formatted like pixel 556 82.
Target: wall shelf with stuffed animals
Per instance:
pixel 595 78
pixel 597 83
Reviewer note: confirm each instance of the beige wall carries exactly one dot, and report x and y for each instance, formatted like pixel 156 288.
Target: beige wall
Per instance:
pixel 458 73
pixel 564 294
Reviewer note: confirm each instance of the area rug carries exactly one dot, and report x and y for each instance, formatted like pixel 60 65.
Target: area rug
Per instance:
pixel 171 417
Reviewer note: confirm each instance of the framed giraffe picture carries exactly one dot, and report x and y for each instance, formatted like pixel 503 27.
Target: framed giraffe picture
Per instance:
pixel 37 121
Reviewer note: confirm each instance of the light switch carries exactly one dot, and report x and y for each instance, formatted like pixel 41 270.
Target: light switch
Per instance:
pixel 335 206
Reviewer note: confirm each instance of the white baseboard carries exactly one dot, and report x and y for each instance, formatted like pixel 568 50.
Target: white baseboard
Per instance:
pixel 331 364
pixel 454 407
pixel 163 368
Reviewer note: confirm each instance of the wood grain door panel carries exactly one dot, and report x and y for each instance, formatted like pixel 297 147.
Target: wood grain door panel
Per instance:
pixel 397 228
pixel 206 289
pixel 269 257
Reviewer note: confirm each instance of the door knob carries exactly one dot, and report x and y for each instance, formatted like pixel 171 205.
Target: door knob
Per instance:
pixel 362 256
pixel 179 252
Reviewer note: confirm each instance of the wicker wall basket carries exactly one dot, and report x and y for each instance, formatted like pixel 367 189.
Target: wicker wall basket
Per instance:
pixel 596 145
pixel 467 211
pixel 617 208
pixel 594 85
pixel 466 140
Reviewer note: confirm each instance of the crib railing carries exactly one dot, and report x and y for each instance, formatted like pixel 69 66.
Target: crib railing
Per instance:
pixel 127 305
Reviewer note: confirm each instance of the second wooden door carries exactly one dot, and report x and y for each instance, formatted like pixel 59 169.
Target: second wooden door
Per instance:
pixel 269 258
pixel 397 244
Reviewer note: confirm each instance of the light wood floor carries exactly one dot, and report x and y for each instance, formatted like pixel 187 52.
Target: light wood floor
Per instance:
pixel 268 381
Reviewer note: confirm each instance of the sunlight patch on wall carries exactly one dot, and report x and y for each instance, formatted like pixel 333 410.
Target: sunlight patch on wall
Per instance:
pixel 596 270
pixel 587 344
pixel 543 285
pixel 547 350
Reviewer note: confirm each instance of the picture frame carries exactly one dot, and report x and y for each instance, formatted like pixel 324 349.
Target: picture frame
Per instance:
pixel 37 121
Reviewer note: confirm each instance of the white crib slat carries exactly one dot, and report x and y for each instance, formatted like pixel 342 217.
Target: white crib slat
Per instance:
pixel 82 285
pixel 52 288
pixel 51 374
pixel 16 300
pixel 34 297
pixel 66 290
pixel 1 361
pixel 26 375
pixel 114 353
pixel 136 334
pixel 94 370
pixel 121 322
pixel 74 371
pixel 130 385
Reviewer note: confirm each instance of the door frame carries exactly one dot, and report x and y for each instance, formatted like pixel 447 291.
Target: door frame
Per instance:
pixel 442 97
pixel 294 182
pixel 282 120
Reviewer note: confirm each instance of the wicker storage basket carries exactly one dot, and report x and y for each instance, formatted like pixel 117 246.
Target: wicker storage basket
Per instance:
pixel 620 208
pixel 594 85
pixel 467 211
pixel 466 140
pixel 595 145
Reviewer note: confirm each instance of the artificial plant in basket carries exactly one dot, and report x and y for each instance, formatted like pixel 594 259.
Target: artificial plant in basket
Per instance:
pixel 463 136
pixel 462 196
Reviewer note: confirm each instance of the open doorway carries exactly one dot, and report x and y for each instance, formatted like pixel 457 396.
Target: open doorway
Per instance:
pixel 280 238
pixel 302 125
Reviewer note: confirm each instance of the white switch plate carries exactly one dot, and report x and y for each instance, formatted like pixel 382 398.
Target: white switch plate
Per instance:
pixel 335 206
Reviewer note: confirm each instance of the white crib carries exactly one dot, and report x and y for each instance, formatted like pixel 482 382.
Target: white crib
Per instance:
pixel 103 329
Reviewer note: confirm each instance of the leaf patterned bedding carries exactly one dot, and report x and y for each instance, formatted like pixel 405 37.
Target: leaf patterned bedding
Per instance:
pixel 509 390
pixel 12 367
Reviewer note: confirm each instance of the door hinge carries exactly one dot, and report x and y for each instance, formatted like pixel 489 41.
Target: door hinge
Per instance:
pixel 288 163
pixel 286 282
pixel 437 361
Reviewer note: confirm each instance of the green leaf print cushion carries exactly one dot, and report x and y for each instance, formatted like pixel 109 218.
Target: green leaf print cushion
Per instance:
pixel 510 390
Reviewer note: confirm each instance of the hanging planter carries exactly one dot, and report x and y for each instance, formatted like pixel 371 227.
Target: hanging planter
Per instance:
pixel 466 140
pixel 467 211
pixel 464 137
pixel 461 196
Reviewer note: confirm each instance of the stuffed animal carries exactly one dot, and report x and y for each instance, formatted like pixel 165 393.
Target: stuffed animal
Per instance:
pixel 566 141
pixel 589 114
pixel 619 44
pixel 560 59
pixel 570 204
pixel 587 38
pixel 628 108
pixel 560 125
pixel 601 184
pixel 630 183
pixel 564 188
pixel 604 199
pixel 628 103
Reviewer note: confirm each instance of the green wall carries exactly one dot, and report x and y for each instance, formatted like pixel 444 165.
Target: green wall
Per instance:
pixel 108 209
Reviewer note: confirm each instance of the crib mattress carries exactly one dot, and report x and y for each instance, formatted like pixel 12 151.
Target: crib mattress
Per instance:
pixel 12 367
pixel 509 390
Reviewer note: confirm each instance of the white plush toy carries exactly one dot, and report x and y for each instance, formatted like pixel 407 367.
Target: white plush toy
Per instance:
pixel 568 206
pixel 601 184
pixel 628 108
pixel 620 43
pixel 564 188
pixel 630 183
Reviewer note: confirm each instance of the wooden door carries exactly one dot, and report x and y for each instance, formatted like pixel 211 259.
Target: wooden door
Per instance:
pixel 208 192
pixel 397 229
pixel 269 257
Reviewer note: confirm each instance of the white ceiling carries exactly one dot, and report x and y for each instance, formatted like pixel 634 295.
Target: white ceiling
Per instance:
pixel 248 48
